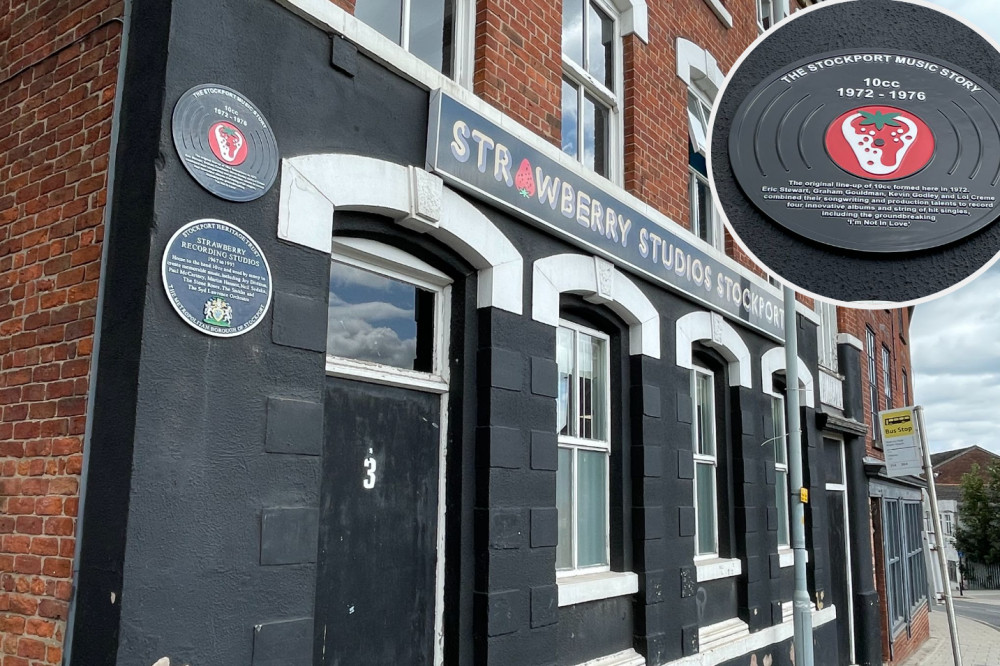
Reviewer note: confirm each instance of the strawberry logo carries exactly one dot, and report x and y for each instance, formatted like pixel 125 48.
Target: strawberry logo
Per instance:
pixel 227 143
pixel 880 142
pixel 524 181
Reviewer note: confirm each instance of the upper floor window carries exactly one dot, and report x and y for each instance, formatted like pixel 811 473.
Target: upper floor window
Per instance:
pixel 769 12
pixel 906 389
pixel 887 376
pixel 591 88
pixel 827 336
pixel 583 421
pixel 871 352
pixel 706 223
pixel 429 29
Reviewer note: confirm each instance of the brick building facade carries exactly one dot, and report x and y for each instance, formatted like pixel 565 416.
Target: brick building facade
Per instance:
pixel 135 434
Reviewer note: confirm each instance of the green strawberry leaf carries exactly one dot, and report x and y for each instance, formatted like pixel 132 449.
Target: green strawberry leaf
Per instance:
pixel 879 119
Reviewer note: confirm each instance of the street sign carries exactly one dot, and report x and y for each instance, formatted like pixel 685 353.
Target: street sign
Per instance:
pixel 900 442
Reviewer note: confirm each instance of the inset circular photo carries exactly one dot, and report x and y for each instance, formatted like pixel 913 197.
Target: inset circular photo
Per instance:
pixel 855 151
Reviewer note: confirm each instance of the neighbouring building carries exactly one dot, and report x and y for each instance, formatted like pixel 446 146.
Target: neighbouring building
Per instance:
pixel 949 468
pixel 514 396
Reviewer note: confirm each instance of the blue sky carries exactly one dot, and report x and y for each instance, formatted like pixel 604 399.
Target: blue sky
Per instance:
pixel 956 338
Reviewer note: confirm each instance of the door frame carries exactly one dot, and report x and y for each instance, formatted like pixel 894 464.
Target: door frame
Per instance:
pixel 842 488
pixel 394 263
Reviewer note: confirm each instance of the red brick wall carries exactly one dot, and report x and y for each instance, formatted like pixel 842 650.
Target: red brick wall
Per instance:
pixel 58 69
pixel 891 328
pixel 905 644
pixel 951 472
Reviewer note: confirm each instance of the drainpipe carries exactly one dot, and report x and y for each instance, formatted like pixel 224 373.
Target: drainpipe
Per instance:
pixel 802 606
pixel 102 285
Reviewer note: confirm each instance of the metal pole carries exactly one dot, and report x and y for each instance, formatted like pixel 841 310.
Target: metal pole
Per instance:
pixel 802 606
pixel 936 517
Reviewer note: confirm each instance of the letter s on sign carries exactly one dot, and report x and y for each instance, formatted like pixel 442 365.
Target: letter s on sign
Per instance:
pixel 369 481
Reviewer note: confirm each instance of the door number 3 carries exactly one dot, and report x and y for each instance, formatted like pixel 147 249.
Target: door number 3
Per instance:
pixel 369 481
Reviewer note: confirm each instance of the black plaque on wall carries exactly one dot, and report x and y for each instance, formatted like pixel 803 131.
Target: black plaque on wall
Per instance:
pixel 225 142
pixel 871 150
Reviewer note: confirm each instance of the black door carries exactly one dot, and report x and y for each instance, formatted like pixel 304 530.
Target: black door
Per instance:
pixel 840 571
pixel 378 526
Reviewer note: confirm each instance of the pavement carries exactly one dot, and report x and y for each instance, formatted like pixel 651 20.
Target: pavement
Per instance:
pixel 978 640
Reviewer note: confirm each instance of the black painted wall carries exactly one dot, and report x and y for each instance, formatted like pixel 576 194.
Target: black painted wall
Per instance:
pixel 210 452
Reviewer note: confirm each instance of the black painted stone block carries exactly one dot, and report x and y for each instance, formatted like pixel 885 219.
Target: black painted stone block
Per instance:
pixel 506 369
pixel 748 419
pixel 294 426
pixel 285 643
pixel 343 55
pixel 544 605
pixel 685 464
pixel 649 522
pixel 772 519
pixel 544 377
pixel 505 446
pixel 651 586
pixel 544 450
pixel 777 616
pixel 652 460
pixel 775 565
pixel 747 519
pixel 685 521
pixel 651 402
pixel 769 475
pixel 505 611
pixel 506 529
pixel 689 639
pixel 684 408
pixel 754 568
pixel 657 648
pixel 299 321
pixel 689 578
pixel 544 527
pixel 288 536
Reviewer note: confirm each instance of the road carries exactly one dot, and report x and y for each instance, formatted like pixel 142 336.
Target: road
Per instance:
pixel 986 613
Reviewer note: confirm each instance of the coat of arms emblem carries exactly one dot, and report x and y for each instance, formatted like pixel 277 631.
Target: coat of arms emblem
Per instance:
pixel 218 312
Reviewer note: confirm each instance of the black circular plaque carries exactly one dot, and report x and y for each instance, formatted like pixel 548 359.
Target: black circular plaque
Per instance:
pixel 872 150
pixel 216 278
pixel 225 143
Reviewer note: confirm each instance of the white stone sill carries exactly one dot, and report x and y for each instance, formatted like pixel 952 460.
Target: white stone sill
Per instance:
pixel 715 568
pixel 591 587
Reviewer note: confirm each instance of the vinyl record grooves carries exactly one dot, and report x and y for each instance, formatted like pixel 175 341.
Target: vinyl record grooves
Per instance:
pixel 225 142
pixel 878 151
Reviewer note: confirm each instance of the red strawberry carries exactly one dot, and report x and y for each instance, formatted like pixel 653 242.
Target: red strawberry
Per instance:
pixel 880 142
pixel 524 181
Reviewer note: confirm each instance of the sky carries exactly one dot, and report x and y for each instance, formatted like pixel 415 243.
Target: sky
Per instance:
pixel 955 339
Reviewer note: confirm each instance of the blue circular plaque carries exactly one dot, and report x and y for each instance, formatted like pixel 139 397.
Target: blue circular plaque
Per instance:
pixel 216 278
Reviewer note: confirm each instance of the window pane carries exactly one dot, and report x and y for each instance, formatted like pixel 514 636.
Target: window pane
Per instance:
pixel 377 318
pixel 699 122
pixel 427 30
pixel 564 504
pixel 595 135
pixel 778 431
pixel 566 398
pixel 705 417
pixel 570 115
pixel 593 387
pixel 600 46
pixel 704 221
pixel 705 482
pixel 383 15
pixel 781 499
pixel 572 31
pixel 592 508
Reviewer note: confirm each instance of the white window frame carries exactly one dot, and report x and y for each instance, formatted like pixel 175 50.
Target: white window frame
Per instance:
pixel 714 219
pixel 870 348
pixel 887 376
pixel 613 100
pixel 782 467
pixel 463 39
pixel 576 444
pixel 394 263
pixel 769 12
pixel 827 334
pixel 705 459
pixel 698 119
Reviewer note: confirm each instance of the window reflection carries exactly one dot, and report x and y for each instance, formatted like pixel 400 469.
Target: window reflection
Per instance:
pixel 380 319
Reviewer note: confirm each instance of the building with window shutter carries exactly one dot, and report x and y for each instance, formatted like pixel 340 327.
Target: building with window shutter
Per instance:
pixel 515 397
